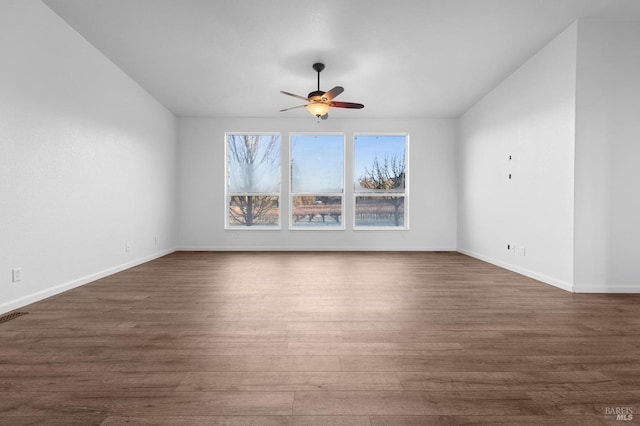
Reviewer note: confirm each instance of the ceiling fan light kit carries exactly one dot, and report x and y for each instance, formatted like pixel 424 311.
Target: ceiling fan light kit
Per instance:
pixel 321 102
pixel 317 107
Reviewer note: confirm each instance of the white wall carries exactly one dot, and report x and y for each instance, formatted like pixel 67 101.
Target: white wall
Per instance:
pixel 607 155
pixel 87 160
pixel 432 180
pixel 531 117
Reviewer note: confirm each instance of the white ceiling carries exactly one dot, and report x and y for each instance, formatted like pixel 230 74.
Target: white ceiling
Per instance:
pixel 401 58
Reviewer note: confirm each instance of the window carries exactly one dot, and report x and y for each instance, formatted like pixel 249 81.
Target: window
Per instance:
pixel 317 181
pixel 380 181
pixel 253 180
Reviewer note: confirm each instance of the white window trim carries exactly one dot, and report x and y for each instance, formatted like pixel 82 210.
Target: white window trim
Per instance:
pixel 227 195
pixel 404 194
pixel 292 194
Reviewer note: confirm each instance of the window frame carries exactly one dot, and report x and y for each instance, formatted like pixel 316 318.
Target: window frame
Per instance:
pixel 342 195
pixel 404 194
pixel 228 194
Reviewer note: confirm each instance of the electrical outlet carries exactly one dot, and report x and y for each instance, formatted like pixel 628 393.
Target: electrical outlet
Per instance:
pixel 522 251
pixel 156 240
pixel 127 247
pixel 16 275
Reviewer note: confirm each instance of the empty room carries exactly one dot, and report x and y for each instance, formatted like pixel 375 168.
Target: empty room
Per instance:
pixel 336 213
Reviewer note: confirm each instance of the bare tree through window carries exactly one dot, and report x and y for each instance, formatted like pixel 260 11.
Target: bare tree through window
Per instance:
pixel 380 173
pixel 253 175
pixel 387 175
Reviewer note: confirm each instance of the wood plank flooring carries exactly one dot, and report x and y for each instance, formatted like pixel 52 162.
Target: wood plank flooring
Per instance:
pixel 363 339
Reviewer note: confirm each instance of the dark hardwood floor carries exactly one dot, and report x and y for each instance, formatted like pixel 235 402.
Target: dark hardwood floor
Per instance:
pixel 321 339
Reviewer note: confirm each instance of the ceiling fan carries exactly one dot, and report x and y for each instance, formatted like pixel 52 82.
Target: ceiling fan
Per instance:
pixel 320 102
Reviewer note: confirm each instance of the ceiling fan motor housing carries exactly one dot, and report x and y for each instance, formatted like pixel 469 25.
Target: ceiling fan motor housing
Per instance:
pixel 315 93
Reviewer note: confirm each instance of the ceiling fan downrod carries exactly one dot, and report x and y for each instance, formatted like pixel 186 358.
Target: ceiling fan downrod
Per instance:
pixel 318 67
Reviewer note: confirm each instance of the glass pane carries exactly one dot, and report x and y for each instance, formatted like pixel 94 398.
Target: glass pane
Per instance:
pixel 253 163
pixel 379 211
pixel 317 163
pixel 316 211
pixel 380 163
pixel 252 210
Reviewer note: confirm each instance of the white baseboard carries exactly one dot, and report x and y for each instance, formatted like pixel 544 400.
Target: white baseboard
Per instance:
pixel 52 291
pixel 309 248
pixel 522 271
pixel 628 289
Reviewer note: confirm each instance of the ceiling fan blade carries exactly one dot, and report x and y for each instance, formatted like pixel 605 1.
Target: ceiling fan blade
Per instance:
pixel 346 105
pixel 287 109
pixel 294 95
pixel 334 92
pixel 324 117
